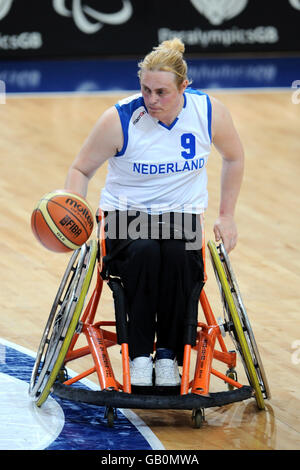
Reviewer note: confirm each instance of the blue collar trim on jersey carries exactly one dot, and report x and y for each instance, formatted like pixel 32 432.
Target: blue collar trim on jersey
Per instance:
pixel 170 126
pixel 175 120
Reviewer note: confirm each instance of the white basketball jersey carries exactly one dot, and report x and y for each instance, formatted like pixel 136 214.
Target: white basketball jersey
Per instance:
pixel 161 168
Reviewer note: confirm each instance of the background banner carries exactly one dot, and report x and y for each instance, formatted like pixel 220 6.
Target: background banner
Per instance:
pixel 76 28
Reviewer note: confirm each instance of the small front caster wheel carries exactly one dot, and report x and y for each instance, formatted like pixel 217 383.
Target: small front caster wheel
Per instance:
pixel 198 418
pixel 110 416
pixel 231 373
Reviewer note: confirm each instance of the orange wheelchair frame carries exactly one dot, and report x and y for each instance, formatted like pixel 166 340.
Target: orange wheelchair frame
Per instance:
pixel 59 348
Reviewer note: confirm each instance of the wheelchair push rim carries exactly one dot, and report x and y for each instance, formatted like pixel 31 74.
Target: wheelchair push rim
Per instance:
pixel 238 323
pixel 62 321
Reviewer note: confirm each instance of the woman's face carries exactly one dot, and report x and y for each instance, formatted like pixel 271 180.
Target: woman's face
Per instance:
pixel 163 99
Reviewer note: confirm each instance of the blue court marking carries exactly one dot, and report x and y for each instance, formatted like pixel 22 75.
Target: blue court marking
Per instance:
pixel 84 425
pixel 109 75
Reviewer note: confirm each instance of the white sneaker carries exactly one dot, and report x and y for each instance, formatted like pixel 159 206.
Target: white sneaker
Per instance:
pixel 141 369
pixel 167 373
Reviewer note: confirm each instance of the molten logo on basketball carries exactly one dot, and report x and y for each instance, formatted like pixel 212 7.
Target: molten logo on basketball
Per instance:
pixel 83 211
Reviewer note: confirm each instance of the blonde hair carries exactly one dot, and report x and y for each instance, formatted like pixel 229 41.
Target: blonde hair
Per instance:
pixel 167 57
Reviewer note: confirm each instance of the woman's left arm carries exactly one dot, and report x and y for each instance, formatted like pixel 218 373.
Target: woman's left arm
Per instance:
pixel 227 142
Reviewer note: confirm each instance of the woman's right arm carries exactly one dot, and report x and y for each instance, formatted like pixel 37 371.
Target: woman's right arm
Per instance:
pixel 104 141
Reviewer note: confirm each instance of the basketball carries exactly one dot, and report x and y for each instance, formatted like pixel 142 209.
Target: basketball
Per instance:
pixel 62 221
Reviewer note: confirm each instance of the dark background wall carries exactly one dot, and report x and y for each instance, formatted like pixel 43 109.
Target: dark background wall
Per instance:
pixel 87 28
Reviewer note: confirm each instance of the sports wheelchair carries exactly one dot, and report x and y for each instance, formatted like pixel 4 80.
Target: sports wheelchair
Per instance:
pixel 69 319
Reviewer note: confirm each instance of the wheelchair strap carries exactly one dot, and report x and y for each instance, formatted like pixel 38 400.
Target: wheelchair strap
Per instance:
pixel 112 255
pixel 120 309
pixel 191 319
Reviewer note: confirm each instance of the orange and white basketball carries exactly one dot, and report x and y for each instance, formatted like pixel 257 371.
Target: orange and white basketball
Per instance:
pixel 62 221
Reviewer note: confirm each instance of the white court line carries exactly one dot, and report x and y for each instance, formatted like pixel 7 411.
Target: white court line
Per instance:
pixel 145 431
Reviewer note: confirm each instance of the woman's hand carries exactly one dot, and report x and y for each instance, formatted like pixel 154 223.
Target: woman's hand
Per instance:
pixel 225 230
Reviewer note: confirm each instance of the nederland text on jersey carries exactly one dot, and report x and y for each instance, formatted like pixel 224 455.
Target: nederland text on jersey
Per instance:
pixel 164 168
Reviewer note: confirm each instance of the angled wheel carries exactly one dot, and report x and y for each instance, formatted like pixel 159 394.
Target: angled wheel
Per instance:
pixel 238 323
pixel 245 323
pixel 62 321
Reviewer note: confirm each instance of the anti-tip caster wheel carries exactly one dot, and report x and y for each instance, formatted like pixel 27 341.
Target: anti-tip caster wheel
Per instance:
pixel 110 415
pixel 198 418
pixel 231 373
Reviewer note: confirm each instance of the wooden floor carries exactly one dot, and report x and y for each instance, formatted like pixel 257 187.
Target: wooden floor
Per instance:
pixel 39 138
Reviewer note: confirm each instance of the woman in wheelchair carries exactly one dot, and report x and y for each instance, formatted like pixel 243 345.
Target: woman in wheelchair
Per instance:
pixel 157 144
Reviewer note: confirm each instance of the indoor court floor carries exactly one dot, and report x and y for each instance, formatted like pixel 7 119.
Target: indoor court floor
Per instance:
pixel 49 110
